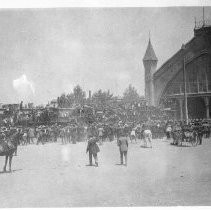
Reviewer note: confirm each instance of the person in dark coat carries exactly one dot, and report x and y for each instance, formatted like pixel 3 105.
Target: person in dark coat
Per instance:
pixel 199 129
pixel 123 146
pixel 93 149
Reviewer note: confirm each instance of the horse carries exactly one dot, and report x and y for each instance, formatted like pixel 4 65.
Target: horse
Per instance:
pixel 147 134
pixel 8 148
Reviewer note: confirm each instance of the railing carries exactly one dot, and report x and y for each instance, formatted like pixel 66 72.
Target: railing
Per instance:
pixel 189 94
pixel 202 23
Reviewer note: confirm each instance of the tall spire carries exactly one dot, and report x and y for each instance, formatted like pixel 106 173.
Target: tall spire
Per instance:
pixel 150 53
pixel 150 64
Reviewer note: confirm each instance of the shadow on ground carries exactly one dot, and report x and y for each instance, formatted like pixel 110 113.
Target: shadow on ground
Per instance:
pixel 8 172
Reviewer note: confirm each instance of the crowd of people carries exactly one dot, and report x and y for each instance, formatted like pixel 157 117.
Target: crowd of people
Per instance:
pixel 72 133
pixel 192 131
pixel 97 133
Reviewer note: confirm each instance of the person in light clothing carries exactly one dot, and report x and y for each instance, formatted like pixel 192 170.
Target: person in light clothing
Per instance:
pixel 100 134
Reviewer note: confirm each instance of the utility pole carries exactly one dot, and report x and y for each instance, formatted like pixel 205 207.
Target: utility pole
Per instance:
pixel 185 87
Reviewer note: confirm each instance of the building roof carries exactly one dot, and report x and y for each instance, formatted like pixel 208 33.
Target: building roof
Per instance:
pixel 174 58
pixel 178 54
pixel 150 53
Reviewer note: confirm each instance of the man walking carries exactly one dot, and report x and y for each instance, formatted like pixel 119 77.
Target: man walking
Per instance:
pixel 123 147
pixel 93 149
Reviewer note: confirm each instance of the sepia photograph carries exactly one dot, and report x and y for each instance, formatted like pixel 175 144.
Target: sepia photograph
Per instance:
pixel 105 105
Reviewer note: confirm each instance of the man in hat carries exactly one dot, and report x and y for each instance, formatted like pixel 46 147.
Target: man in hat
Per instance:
pixel 93 149
pixel 123 146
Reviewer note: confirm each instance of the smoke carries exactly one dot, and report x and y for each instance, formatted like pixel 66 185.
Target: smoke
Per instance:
pixel 24 88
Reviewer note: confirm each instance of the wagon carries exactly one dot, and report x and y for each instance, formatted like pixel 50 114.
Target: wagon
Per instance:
pixel 188 135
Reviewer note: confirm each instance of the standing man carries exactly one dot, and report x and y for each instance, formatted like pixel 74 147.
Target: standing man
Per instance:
pixel 62 135
pixel 168 131
pixel 31 135
pixel 93 149
pixel 200 131
pixel 100 134
pixel 74 136
pixel 123 146
pixel 40 136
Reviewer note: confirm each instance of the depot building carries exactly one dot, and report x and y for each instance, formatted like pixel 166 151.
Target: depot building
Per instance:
pixel 188 69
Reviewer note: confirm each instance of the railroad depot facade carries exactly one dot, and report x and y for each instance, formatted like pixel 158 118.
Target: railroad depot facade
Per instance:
pixel 190 66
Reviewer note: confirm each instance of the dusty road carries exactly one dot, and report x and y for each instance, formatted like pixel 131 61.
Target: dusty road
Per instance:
pixel 54 175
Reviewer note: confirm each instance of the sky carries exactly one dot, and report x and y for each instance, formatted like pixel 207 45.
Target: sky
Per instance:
pixel 46 52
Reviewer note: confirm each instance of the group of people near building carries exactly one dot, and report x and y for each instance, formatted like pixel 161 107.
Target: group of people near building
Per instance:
pixel 72 133
pixel 97 133
pixel 193 130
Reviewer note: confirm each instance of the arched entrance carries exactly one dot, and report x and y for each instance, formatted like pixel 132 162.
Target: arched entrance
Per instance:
pixel 196 108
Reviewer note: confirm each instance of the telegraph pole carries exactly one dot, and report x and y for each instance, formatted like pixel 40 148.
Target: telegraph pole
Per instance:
pixel 185 87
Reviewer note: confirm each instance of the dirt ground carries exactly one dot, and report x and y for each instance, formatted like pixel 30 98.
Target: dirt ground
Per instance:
pixel 54 175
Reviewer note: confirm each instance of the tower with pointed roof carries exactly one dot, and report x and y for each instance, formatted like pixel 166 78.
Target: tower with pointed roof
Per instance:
pixel 150 64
